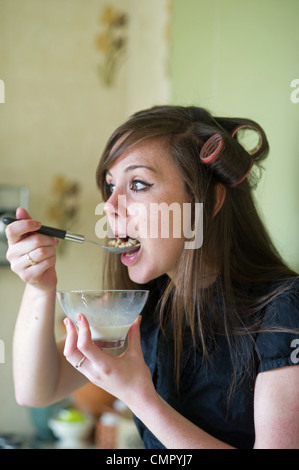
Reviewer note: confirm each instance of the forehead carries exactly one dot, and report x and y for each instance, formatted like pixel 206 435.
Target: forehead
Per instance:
pixel 152 153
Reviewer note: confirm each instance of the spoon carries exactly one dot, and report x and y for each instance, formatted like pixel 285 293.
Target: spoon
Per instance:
pixel 74 237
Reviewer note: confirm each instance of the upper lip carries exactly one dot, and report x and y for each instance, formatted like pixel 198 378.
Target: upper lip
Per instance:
pixel 120 232
pixel 125 236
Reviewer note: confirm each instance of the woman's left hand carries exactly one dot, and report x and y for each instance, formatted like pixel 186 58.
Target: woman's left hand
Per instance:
pixel 126 376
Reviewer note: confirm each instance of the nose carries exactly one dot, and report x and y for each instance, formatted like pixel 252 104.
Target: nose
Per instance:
pixel 116 204
pixel 110 205
pixel 116 210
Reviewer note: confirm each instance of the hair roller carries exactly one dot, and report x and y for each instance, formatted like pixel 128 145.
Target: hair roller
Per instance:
pixel 245 176
pixel 212 149
pixel 228 160
pixel 255 150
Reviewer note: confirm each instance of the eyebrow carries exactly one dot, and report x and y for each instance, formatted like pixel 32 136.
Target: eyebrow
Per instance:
pixel 133 167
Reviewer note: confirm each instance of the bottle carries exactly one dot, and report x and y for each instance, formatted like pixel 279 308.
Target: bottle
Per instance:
pixel 106 431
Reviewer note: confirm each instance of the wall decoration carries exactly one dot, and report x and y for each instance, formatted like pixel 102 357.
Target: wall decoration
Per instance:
pixel 64 209
pixel 111 42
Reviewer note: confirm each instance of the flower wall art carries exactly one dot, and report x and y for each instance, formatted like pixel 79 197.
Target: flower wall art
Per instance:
pixel 111 43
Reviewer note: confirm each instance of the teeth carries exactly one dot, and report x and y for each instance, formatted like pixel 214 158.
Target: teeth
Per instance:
pixel 119 243
pixel 130 254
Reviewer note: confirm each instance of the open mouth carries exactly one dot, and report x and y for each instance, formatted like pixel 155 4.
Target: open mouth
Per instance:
pixel 126 242
pixel 130 249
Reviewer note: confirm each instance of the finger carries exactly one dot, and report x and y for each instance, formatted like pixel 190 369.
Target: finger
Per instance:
pixel 18 229
pixel 71 352
pixel 71 337
pixel 84 335
pixel 21 213
pixel 88 347
pixel 33 263
pixel 29 244
pixel 19 254
pixel 40 254
pixel 134 343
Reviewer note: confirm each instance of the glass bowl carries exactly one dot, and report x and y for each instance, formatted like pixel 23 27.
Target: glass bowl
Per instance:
pixel 110 313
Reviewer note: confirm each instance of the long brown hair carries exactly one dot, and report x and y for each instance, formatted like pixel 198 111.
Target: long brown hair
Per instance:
pixel 235 241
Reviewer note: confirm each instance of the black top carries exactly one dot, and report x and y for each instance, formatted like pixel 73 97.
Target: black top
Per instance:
pixel 203 393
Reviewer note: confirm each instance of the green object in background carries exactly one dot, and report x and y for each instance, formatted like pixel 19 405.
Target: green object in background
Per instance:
pixel 70 415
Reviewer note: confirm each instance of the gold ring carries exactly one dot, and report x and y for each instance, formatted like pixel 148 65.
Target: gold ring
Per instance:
pixel 80 363
pixel 31 261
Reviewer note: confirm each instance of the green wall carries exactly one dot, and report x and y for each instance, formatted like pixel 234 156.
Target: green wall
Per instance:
pixel 238 58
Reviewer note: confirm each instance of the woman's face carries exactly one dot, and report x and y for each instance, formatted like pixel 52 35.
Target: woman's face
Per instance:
pixel 146 203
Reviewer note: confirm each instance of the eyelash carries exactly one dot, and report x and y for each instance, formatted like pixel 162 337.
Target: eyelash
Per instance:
pixel 146 186
pixel 109 186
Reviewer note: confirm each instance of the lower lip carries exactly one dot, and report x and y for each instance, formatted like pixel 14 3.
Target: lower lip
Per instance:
pixel 130 258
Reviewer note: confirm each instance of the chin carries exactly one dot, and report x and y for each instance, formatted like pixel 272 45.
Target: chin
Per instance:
pixel 140 277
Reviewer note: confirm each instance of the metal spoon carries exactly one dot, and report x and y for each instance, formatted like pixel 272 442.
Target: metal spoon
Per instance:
pixel 116 249
pixel 74 237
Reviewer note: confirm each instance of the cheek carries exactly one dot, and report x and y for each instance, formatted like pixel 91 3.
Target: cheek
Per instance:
pixel 138 220
pixel 161 254
pixel 161 221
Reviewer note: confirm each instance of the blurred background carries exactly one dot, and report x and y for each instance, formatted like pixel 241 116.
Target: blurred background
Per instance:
pixel 72 70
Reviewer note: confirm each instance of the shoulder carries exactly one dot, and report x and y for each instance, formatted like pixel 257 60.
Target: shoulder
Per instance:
pixel 276 408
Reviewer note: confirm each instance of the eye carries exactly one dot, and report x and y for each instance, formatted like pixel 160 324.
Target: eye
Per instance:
pixel 138 185
pixel 109 188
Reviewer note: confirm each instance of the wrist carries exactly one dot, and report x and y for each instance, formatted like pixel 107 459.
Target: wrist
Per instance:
pixel 144 403
pixel 39 297
pixel 38 290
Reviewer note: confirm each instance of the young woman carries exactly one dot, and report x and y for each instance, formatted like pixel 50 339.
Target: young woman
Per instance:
pixel 212 362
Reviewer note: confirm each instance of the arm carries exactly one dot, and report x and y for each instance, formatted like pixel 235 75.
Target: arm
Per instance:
pixel 276 405
pixel 276 409
pixel 158 416
pixel 38 364
pixel 128 378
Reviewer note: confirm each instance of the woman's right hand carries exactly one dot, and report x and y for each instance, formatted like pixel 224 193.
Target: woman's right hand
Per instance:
pixel 23 241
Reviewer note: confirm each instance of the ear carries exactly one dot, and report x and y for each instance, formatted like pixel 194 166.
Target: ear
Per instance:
pixel 220 193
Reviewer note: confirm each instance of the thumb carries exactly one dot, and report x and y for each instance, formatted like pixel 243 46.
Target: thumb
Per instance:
pixel 21 213
pixel 134 334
